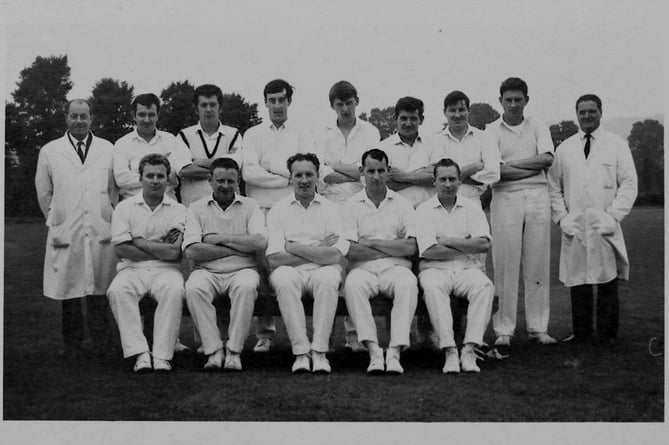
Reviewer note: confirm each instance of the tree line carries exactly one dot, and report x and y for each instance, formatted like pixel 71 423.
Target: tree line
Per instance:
pixel 37 115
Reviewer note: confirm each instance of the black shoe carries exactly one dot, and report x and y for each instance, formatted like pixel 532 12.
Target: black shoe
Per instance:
pixel 574 340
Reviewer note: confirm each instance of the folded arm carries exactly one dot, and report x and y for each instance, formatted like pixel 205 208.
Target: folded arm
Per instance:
pixel 398 247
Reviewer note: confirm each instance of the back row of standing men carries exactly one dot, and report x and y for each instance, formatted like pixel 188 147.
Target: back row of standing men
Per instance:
pixel 591 193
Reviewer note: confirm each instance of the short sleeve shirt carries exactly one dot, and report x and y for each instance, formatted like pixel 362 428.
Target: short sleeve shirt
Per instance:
pixel 392 220
pixel 133 218
pixel 466 219
pixel 242 217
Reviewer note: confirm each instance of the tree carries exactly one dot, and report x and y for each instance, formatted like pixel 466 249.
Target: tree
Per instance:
pixel 112 116
pixel 177 111
pixel 238 113
pixel 481 114
pixel 646 141
pixel 36 117
pixel 383 119
pixel 563 130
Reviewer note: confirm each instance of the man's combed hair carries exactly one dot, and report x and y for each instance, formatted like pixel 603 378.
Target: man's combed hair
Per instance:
pixel 226 163
pixel 303 157
pixel 409 104
pixel 154 159
pixel 455 97
pixel 342 90
pixel 376 154
pixel 446 162
pixel 590 97
pixel 208 90
pixel 513 84
pixel 146 100
pixel 277 86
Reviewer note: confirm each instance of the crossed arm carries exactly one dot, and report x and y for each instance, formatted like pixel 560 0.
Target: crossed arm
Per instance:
pixel 400 179
pixel 295 254
pixel 343 173
pixel 215 246
pixel 448 247
pixel 526 167
pixel 140 249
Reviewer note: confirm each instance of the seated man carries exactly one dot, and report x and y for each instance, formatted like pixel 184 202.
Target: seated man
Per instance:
pixel 379 224
pixel 304 250
pixel 147 233
pixel 223 233
pixel 451 230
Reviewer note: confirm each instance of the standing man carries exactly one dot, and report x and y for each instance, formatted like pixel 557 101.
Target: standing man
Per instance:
pixel 520 216
pixel 223 233
pixel 410 154
pixel 593 185
pixel 75 190
pixel 207 140
pixel 304 251
pixel 143 140
pixel 379 224
pixel 147 231
pixel 342 146
pixel 267 147
pixel 469 147
pixel 452 231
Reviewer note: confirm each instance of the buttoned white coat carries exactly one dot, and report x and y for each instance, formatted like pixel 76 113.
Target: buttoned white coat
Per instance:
pixel 589 198
pixel 76 200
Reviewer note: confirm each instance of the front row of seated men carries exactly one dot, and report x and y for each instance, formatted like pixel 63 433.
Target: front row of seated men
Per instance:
pixel 308 243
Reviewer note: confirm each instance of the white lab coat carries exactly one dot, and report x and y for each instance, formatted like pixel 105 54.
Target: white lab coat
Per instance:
pixel 589 198
pixel 76 201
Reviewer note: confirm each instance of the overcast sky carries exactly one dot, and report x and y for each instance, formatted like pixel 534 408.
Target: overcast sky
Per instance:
pixel 388 49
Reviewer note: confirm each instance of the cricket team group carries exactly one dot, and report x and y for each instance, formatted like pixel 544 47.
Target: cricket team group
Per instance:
pixel 329 213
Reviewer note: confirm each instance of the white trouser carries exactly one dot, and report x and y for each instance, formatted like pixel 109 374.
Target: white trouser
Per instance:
pixel 242 288
pixel 521 233
pixel 439 285
pixel 398 283
pixel 290 283
pixel 166 286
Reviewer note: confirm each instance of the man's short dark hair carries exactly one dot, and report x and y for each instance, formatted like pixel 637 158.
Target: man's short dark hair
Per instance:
pixel 590 97
pixel 154 159
pixel 277 86
pixel 69 103
pixel 297 157
pixel 146 100
pixel 409 104
pixel 226 163
pixel 446 162
pixel 455 97
pixel 208 90
pixel 513 84
pixel 375 153
pixel 342 90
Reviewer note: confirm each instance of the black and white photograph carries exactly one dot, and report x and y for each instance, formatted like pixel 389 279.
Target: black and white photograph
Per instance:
pixel 303 222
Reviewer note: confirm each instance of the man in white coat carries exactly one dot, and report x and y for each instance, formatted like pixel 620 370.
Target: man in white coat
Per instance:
pixel 592 185
pixel 75 190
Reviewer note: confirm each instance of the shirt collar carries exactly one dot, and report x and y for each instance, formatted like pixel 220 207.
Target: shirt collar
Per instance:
pixel 470 132
pixel 156 137
pixel 395 139
pixel 317 198
pixel 219 130
pixel 272 127
pixel 334 125
pixel 361 196
pixel 139 199
pixel 595 134
pixel 235 200
pixel 435 203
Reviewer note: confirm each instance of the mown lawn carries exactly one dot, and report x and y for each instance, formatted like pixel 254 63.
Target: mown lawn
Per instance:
pixel 536 384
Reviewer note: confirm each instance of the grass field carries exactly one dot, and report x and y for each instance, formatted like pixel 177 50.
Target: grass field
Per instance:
pixel 536 384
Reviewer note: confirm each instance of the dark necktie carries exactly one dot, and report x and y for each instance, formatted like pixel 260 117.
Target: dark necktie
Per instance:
pixel 80 151
pixel 586 149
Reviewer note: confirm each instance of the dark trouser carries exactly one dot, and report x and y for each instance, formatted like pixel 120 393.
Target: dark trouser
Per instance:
pixel 96 317
pixel 582 310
